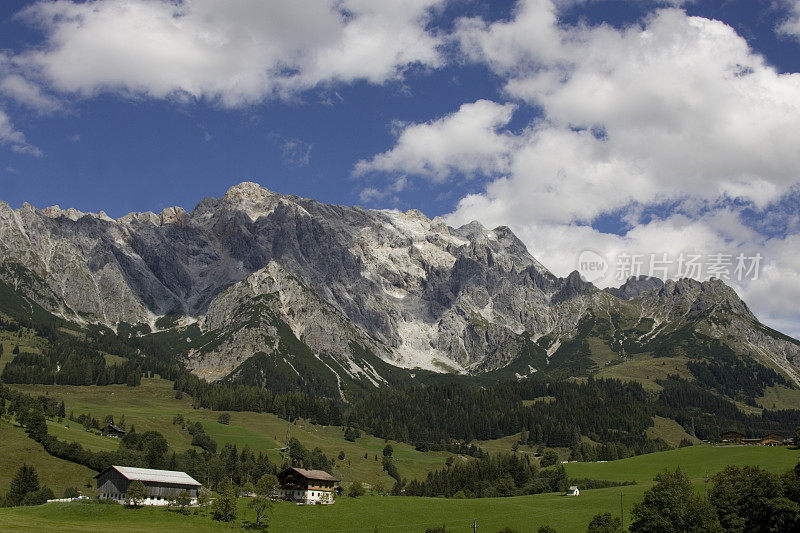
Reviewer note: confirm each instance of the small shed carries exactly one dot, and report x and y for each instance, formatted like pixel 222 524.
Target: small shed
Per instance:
pixel 161 485
pixel 307 486
pixel 573 491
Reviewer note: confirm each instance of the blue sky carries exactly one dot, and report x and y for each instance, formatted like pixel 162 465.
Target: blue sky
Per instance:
pixel 620 127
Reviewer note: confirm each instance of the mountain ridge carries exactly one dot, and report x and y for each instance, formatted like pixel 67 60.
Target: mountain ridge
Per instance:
pixel 412 291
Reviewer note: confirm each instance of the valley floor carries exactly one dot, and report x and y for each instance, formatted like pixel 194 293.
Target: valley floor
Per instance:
pixel 386 513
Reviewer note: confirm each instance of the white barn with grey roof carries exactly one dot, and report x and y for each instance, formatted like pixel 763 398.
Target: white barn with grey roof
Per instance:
pixel 161 485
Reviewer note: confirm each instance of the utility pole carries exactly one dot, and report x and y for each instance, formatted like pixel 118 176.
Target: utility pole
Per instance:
pixel 621 516
pixel 475 526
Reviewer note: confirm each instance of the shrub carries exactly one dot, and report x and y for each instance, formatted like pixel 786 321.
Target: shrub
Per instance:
pixel 356 490
pixel 225 509
pixel 549 458
pixel 604 523
pixel 137 493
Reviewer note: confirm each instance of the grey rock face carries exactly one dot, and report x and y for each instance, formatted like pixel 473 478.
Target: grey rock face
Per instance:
pixel 411 290
pixel 635 286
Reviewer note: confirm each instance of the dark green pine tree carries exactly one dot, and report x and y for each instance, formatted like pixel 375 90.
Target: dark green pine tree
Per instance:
pixel 36 425
pixel 26 480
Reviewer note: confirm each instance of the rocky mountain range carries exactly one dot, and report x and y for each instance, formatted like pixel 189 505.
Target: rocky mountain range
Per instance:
pixel 260 287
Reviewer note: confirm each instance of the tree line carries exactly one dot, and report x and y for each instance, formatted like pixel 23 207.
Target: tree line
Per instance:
pixel 493 476
pixel 740 498
pixel 552 413
pixel 708 414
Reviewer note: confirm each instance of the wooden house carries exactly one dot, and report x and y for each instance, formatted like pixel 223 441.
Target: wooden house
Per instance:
pixel 161 485
pixel 773 439
pixel 307 486
pixel 110 430
pixel 733 437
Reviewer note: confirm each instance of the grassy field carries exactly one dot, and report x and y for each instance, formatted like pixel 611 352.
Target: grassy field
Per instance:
pixel 664 428
pixel 16 448
pixel 384 513
pixel 669 430
pixel 27 342
pixel 152 406
pixel 646 370
pixel 695 461
pixel 780 397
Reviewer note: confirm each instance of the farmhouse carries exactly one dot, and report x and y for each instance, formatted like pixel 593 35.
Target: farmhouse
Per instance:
pixel 573 491
pixel 307 486
pixel 773 439
pixel 110 430
pixel 733 436
pixel 161 485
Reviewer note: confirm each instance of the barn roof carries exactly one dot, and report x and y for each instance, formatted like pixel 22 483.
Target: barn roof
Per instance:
pixel 151 474
pixel 314 474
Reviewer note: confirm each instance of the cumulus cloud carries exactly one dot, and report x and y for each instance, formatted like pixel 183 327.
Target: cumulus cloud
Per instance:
pixel 236 53
pixel 15 139
pixel 465 143
pixel 676 106
pixel 674 110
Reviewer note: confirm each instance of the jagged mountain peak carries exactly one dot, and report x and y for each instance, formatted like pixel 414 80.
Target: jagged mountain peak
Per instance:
pixel 249 191
pixel 399 287
pixel 634 286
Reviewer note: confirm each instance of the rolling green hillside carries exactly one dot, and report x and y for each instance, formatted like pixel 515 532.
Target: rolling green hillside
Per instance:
pixel 152 406
pixel 395 514
pixel 16 448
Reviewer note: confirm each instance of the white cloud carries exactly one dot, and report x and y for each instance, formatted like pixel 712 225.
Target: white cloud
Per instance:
pixel 15 139
pixel 235 52
pixel 371 195
pixel 791 24
pixel 29 94
pixel 676 109
pixel 465 142
pixel 682 104
pixel 296 153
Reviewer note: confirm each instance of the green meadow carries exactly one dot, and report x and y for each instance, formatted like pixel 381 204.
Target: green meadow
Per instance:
pixel 153 406
pixel 386 513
